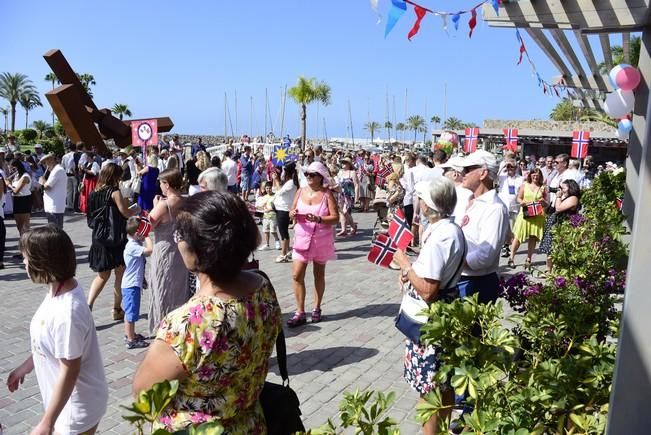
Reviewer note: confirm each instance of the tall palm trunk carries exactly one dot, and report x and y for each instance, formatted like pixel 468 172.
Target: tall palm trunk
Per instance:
pixel 303 126
pixel 13 116
pixel 26 118
pixel 415 131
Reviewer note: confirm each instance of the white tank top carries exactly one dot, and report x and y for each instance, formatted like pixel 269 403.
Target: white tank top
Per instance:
pixel 26 190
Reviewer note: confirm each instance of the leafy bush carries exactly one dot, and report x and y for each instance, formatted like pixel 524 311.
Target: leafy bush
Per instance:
pixel 54 145
pixel 28 135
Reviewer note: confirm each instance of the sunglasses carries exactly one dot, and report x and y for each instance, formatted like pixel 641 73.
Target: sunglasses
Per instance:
pixel 312 174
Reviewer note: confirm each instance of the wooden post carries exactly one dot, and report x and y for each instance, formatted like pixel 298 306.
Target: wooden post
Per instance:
pixel 632 378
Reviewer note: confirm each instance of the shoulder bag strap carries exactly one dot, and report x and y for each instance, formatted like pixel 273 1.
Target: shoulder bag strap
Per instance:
pixel 281 347
pixel 463 257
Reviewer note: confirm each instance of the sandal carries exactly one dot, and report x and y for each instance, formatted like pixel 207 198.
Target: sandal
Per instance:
pixel 354 230
pixel 136 344
pixel 511 264
pixel 139 337
pixel 527 263
pixel 297 319
pixel 282 259
pixel 341 233
pixel 316 315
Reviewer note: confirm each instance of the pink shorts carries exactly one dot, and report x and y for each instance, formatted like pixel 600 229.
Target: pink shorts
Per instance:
pixel 311 255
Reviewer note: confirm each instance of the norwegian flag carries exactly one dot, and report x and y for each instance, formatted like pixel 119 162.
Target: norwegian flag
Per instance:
pixel 145 224
pixel 511 136
pixel 399 230
pixel 382 251
pixel 534 209
pixel 382 173
pixel 470 142
pixel 580 141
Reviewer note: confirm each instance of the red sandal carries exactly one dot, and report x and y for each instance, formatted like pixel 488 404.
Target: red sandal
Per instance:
pixel 316 315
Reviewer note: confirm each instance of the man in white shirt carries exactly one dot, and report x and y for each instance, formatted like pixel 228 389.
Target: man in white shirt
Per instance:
pixel 229 166
pixel 407 183
pixel 485 225
pixel 548 169
pixel 54 190
pixel 68 165
pixel 508 185
pixel 12 145
pixel 561 164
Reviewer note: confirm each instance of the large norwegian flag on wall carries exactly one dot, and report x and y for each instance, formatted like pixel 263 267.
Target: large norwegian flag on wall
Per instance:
pixel 511 136
pixel 580 142
pixel 470 141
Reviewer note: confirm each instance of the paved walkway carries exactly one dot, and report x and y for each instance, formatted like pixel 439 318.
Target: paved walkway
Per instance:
pixel 356 345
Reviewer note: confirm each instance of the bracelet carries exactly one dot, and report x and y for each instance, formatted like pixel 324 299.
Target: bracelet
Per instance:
pixel 320 219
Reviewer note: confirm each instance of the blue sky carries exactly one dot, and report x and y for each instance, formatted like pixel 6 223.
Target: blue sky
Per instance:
pixel 179 58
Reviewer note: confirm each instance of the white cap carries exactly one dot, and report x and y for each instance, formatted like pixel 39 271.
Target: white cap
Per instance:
pixel 481 158
pixel 38 145
pixel 455 163
pixel 422 190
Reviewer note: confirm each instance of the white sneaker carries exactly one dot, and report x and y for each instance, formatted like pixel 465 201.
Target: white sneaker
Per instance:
pixel 263 248
pixel 277 245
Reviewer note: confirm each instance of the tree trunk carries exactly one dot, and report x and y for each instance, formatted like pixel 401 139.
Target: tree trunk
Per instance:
pixel 303 126
pixel 26 118
pixel 13 116
pixel 415 131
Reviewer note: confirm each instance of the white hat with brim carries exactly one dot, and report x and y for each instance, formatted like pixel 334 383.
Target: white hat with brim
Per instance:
pixel 45 157
pixel 318 168
pixel 481 158
pixel 455 163
pixel 423 191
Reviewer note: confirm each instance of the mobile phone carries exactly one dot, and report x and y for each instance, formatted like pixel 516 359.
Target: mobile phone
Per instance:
pixel 133 206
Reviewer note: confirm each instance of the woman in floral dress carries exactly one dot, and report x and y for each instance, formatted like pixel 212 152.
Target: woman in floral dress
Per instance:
pixel 218 344
pixel 347 185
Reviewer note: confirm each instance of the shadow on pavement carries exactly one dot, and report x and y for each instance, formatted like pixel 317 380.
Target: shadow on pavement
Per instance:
pixel 365 312
pixel 323 359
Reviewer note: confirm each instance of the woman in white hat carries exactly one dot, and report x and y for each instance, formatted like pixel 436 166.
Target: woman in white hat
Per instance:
pixel 315 212
pixel 432 277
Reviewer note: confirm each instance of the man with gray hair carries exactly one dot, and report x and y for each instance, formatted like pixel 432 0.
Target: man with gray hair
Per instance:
pixel 213 179
pixel 485 225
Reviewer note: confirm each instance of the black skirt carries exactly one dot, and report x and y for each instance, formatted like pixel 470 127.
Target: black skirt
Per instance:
pixel 22 204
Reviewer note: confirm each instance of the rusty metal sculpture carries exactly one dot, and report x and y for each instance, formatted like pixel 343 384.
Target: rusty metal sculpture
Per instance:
pixel 81 119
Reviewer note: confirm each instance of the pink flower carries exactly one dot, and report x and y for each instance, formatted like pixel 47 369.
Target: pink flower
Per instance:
pixel 167 421
pixel 196 314
pixel 207 340
pixel 205 373
pixel 198 417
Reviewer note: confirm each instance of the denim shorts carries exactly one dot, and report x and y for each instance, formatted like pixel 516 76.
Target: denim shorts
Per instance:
pixel 131 303
pixel 245 182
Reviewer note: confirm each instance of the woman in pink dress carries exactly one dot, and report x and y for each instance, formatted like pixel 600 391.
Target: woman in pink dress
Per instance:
pixel 315 212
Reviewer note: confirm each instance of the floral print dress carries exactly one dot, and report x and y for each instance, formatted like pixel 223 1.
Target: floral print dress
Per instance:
pixel 225 348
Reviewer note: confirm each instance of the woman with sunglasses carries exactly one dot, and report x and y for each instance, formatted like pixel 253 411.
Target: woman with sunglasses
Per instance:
pixel 315 211
pixel 168 276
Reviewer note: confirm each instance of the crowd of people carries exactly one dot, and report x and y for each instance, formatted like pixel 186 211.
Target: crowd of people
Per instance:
pixel 214 320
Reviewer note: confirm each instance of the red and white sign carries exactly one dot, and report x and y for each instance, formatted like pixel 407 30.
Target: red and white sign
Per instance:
pixel 144 132
pixel 470 141
pixel 580 141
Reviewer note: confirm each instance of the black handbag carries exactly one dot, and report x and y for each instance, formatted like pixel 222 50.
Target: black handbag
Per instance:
pixel 107 224
pixel 279 402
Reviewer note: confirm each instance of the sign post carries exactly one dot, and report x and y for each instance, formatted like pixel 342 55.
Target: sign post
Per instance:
pixel 144 132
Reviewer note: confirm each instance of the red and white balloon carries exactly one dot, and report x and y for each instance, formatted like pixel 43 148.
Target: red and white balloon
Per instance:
pixel 624 77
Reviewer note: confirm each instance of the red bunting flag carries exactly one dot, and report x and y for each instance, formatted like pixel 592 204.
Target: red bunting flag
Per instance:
pixel 470 141
pixel 382 250
pixel 580 141
pixel 399 230
pixel 420 14
pixel 473 20
pixel 511 135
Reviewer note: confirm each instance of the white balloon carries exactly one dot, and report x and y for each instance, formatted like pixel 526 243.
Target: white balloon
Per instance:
pixel 619 103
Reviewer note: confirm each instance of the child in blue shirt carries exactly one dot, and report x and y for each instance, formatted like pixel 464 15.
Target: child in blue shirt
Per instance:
pixel 136 250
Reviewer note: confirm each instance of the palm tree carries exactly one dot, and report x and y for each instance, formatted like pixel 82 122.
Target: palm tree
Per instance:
pixel 51 77
pixel 29 100
pixel 87 80
pixel 305 92
pixel 565 111
pixel 400 127
pixel 598 116
pixel 415 122
pixel 40 126
pixel 436 120
pixel 423 130
pixel 372 127
pixel 12 86
pixel 388 126
pixel 121 109
pixel 453 123
pixel 4 111
pixel 617 53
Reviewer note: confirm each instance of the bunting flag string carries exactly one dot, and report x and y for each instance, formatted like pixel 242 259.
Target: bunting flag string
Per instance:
pixel 420 14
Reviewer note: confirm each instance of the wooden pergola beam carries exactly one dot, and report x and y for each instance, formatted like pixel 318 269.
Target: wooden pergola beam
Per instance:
pixel 595 15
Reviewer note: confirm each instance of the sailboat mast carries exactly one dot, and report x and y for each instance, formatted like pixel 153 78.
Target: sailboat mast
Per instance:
pixel 350 117
pixel 282 112
pixel 225 114
pixel 266 103
pixel 236 129
pixel 251 118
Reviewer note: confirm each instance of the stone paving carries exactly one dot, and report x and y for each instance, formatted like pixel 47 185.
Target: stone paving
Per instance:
pixel 355 346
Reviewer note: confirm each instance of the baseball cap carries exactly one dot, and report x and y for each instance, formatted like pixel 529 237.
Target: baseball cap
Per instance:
pixel 481 158
pixel 455 163
pixel 38 145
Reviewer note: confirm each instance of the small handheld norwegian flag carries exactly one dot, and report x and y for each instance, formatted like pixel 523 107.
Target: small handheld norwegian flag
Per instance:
pixel 382 251
pixel 382 174
pixel 533 209
pixel 399 230
pixel 145 224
